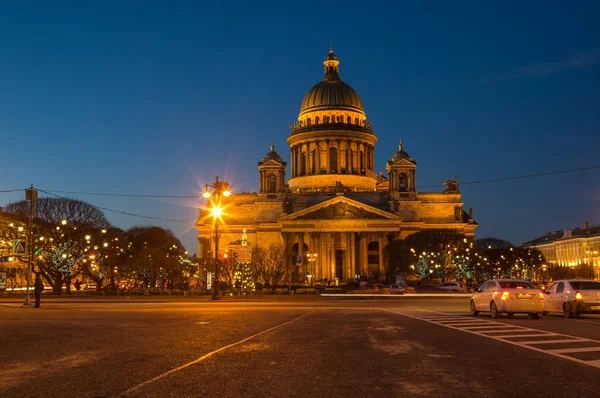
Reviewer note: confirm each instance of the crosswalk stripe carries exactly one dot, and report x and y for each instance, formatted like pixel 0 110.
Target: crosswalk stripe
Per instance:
pixel 573 350
pixel 527 335
pixel 573 340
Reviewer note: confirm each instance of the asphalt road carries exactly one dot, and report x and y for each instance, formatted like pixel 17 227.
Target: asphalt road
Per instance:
pixel 293 347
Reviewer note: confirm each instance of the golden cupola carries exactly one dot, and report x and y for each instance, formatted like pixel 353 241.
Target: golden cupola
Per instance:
pixel 332 143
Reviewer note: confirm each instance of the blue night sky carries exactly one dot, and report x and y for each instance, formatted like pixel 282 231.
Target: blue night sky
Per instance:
pixel 159 97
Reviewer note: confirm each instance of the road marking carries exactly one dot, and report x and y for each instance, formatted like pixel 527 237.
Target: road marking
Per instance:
pixel 573 340
pixel 494 328
pixel 202 358
pixel 530 344
pixel 570 350
pixel 527 335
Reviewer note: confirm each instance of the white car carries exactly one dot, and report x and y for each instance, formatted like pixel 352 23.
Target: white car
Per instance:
pixel 510 296
pixel 573 297
pixel 455 286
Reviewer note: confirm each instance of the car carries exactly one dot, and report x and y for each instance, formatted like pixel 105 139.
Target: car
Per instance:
pixel 573 297
pixel 510 296
pixel 454 286
pixel 396 288
pixel 367 289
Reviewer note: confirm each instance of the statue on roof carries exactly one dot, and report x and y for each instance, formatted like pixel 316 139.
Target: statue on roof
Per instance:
pixel 451 186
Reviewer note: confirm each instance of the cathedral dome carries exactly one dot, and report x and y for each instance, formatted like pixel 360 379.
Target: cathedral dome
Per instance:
pixel 272 155
pixel 401 154
pixel 331 92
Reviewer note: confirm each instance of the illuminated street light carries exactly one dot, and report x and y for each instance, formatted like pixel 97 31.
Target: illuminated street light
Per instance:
pixel 219 188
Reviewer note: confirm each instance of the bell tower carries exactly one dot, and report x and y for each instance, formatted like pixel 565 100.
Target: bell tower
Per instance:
pixel 402 172
pixel 272 172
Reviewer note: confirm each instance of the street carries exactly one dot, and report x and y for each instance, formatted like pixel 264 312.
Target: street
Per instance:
pixel 291 346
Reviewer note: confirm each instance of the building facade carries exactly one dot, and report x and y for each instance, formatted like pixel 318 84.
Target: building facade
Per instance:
pixel 570 248
pixel 335 205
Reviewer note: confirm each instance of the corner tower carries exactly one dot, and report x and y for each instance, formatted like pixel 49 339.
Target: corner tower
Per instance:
pixel 332 142
pixel 272 172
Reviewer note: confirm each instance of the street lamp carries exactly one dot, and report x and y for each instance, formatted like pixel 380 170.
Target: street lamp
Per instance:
pixel 312 258
pixel 219 189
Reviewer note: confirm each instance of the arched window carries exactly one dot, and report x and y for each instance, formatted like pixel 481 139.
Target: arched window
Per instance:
pixel 303 164
pixel 402 182
pixel 272 183
pixel 333 159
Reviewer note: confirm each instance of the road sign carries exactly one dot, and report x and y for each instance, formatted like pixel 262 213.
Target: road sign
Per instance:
pixel 209 280
pixel 19 247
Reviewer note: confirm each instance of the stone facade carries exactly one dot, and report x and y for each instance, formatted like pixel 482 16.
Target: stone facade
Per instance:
pixel 334 205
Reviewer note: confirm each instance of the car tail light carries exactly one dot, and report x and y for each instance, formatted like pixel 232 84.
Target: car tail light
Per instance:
pixel 541 295
pixel 578 296
pixel 504 296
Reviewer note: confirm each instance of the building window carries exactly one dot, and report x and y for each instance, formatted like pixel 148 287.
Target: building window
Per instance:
pixel 272 183
pixel 333 159
pixel 402 182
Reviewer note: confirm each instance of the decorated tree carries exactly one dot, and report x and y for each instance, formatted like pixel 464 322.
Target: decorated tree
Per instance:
pixel 154 257
pixel 61 226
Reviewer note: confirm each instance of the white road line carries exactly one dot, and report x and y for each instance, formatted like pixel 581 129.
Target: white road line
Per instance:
pixel 573 340
pixel 499 331
pixel 526 335
pixel 494 327
pixel 462 324
pixel 528 344
pixel 570 350
pixel 202 358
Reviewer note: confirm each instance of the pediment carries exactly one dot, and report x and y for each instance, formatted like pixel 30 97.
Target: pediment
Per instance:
pixel 341 208
pixel 271 163
pixel 403 163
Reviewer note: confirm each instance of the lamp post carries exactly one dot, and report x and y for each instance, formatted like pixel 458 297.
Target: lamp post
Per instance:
pixel 220 189
pixel 312 258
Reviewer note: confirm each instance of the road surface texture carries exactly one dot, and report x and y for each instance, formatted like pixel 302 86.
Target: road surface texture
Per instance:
pixel 292 347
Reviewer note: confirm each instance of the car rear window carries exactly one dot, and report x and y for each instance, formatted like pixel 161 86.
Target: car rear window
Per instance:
pixel 585 285
pixel 516 285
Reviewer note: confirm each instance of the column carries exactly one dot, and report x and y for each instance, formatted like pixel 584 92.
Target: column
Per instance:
pixel 332 255
pixel 372 158
pixel 381 241
pixel 349 273
pixel 339 157
pixel 301 272
pixel 353 253
pixel 318 157
pixel 364 260
pixel 292 160
pixel 349 156
pixel 327 157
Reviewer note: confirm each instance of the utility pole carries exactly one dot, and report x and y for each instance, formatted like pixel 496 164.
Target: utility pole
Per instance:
pixel 30 195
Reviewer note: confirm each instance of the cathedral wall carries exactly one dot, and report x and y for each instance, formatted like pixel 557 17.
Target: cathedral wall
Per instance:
pixel 329 180
pixel 438 212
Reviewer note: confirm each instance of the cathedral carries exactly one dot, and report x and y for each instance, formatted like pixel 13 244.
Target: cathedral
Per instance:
pixel 335 214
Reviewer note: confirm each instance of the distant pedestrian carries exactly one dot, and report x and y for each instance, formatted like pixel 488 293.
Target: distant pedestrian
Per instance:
pixel 38 288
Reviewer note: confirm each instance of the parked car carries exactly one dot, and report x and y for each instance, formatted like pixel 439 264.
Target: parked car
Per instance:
pixel 429 289
pixel 573 297
pixel 396 288
pixel 367 289
pixel 510 296
pixel 454 286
